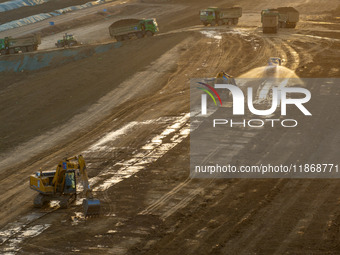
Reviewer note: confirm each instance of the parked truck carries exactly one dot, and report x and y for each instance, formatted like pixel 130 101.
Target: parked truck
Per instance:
pixel 126 29
pixel 270 21
pixel 10 45
pixel 288 17
pixel 219 16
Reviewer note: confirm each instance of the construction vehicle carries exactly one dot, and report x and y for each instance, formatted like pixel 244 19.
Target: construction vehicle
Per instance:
pixel 224 78
pixel 215 15
pixel 274 61
pixel 10 45
pixel 61 185
pixel 273 65
pixel 126 29
pixel 68 40
pixel 270 20
pixel 288 17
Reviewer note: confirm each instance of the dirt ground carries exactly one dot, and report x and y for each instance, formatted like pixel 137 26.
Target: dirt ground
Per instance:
pixel 127 111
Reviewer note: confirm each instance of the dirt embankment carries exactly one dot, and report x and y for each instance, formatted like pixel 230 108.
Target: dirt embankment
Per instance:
pixel 81 21
pixel 43 100
pixel 50 6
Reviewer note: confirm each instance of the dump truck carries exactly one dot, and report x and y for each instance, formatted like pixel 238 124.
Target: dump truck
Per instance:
pixel 219 16
pixel 270 21
pixel 68 40
pixel 61 185
pixel 10 45
pixel 288 17
pixel 126 29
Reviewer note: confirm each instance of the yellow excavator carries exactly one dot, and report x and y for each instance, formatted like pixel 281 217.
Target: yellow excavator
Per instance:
pixel 61 185
pixel 224 78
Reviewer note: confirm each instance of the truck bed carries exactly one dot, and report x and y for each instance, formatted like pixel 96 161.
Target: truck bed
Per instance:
pixel 124 26
pixel 25 41
pixel 232 12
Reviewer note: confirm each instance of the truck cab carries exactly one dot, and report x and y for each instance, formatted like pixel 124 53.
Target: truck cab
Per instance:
pixel 4 43
pixel 208 15
pixel 218 16
pixel 149 25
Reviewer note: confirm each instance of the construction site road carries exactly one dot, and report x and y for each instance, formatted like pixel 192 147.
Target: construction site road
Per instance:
pixel 127 112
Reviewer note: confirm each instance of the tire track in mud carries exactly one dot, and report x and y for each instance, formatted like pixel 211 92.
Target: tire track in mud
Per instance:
pixel 8 180
pixel 164 206
pixel 294 58
pixel 172 81
pixel 165 200
pixel 174 200
pixel 304 222
pixel 24 228
pixel 75 142
pixel 266 221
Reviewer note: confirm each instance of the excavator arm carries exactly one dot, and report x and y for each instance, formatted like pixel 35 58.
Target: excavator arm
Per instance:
pixel 91 205
pixel 56 185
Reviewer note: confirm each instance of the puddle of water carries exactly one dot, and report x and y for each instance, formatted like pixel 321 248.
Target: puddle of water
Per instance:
pixel 18 230
pixel 12 244
pixel 320 37
pixel 99 146
pixel 6 234
pixel 212 34
pixel 321 22
pixel 153 150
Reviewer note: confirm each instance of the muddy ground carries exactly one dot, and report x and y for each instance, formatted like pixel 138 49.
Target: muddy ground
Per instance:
pixel 127 112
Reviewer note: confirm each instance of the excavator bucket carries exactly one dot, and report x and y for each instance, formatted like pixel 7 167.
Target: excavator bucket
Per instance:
pixel 91 207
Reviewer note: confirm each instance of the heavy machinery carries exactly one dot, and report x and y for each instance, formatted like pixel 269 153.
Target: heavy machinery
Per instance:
pixel 274 61
pixel 126 29
pixel 215 15
pixel 9 45
pixel 224 78
pixel 68 40
pixel 270 20
pixel 288 17
pixel 61 185
pixel 273 65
